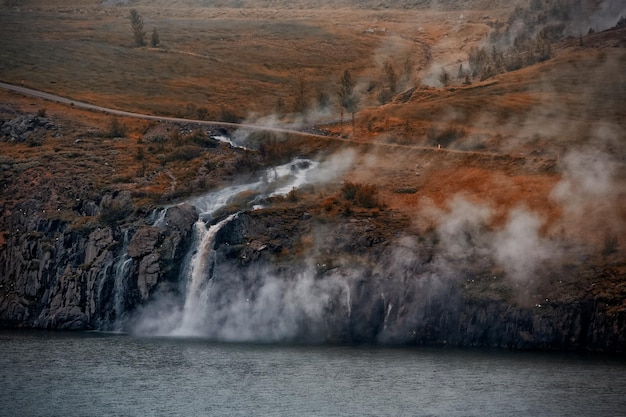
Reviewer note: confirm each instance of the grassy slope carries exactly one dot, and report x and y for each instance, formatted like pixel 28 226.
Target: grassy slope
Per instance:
pixel 248 59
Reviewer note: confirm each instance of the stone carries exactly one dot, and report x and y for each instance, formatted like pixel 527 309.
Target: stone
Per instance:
pixel 144 241
pixel 149 269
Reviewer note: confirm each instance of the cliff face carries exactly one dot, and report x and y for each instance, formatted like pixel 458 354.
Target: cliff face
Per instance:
pixel 379 289
pixel 56 276
pixel 302 280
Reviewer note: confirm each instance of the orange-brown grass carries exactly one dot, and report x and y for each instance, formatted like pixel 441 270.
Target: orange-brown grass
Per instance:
pixel 211 57
pixel 79 157
pixel 247 59
pixel 544 109
pixel 489 188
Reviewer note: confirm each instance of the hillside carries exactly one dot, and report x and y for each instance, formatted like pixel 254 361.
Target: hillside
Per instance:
pixel 475 210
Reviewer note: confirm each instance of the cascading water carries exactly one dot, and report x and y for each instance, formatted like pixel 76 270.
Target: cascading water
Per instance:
pixel 121 268
pixel 112 289
pixel 158 217
pixel 198 274
pixel 252 304
pixel 296 172
pixel 199 278
pixel 229 141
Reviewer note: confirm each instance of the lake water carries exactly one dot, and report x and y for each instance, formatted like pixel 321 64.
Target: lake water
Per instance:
pixel 94 374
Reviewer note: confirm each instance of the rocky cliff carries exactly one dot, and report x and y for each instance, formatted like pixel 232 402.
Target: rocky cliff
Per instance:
pixel 360 283
pixel 381 288
pixel 55 275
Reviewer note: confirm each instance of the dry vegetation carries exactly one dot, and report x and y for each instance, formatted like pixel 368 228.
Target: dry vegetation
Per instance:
pixel 503 137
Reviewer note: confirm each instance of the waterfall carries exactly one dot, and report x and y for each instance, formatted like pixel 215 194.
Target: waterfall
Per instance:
pixel 120 269
pixel 292 175
pixel 112 289
pixel 157 218
pixel 103 279
pixel 193 315
pixel 199 277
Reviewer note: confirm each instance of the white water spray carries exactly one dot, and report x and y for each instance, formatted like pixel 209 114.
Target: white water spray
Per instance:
pixel 199 279
pixel 229 141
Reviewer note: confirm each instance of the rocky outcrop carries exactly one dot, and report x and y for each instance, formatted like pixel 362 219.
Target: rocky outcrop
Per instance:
pixel 24 126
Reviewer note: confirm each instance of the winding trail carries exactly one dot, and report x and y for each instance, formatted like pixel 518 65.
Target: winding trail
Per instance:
pixel 92 107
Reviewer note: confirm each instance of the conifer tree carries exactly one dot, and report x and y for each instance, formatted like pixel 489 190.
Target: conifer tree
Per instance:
pixel 137 25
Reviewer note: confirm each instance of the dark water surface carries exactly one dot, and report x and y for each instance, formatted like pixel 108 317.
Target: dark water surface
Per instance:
pixel 91 374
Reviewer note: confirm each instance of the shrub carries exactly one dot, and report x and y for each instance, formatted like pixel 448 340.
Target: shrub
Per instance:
pixel 114 213
pixel 364 195
pixel 367 196
pixel 246 163
pixel 329 203
pixel 199 137
pixel 349 190
pixel 229 115
pixel 116 129
pixel 185 153
pixel 292 196
pixel 272 148
pixel 139 156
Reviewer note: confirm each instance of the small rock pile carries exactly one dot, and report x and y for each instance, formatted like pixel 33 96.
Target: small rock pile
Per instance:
pixel 23 126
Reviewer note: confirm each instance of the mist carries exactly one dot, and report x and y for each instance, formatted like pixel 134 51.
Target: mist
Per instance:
pixel 252 305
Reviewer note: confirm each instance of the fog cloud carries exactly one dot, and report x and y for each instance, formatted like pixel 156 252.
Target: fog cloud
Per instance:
pixel 520 249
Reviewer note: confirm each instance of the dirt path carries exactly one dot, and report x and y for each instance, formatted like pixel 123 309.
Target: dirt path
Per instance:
pixel 122 113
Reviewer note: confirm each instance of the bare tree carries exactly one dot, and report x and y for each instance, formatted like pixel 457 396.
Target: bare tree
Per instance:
pixel 137 24
pixel 348 100
pixel 391 77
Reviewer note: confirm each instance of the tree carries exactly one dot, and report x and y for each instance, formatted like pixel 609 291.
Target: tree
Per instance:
pixel 408 68
pixel 279 106
pixel 155 38
pixel 137 24
pixel 348 100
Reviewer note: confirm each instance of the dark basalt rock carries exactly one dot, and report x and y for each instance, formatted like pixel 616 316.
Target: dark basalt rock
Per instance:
pixel 52 276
